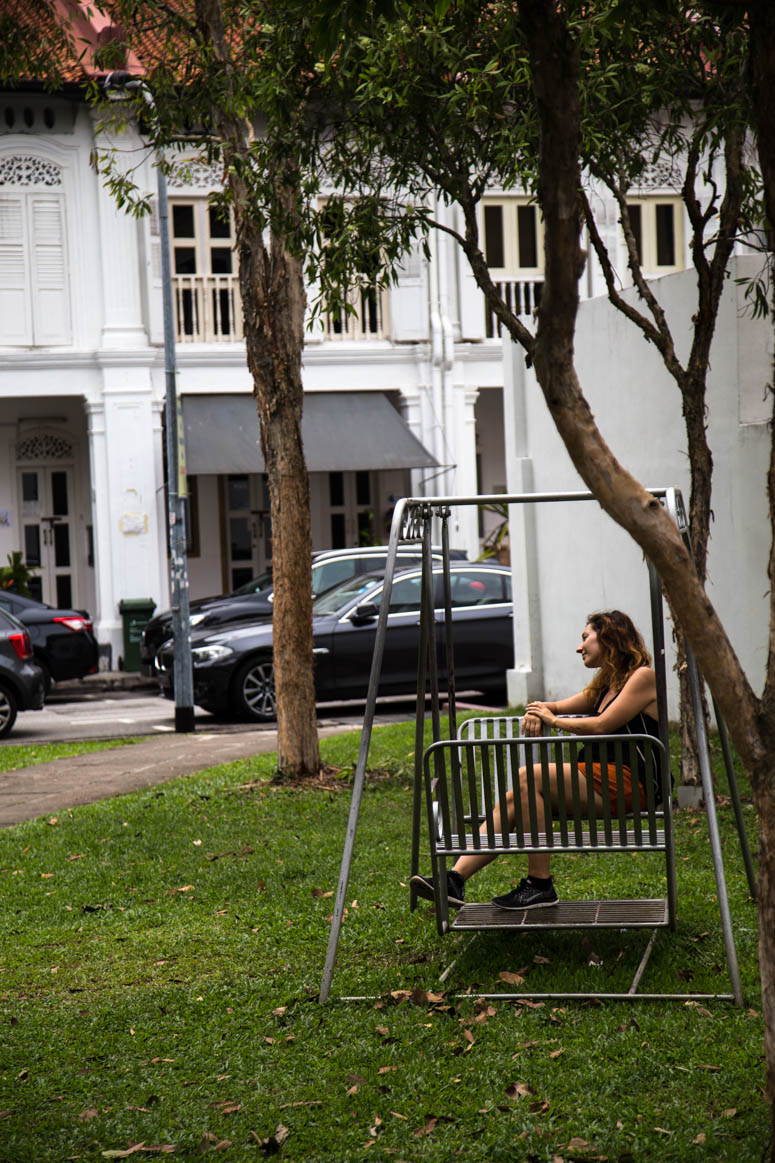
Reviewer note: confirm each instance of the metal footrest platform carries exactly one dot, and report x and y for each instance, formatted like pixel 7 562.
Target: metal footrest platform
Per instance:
pixel 609 914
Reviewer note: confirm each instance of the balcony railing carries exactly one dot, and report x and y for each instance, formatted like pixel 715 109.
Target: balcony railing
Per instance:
pixel 208 308
pixel 368 320
pixel 520 296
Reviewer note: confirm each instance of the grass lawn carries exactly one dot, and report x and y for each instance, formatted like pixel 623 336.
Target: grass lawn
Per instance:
pixel 161 955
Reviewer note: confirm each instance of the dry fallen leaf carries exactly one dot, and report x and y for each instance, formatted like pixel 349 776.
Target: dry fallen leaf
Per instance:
pixel 87 1115
pixel 556 1053
pixel 518 1090
pixel 700 1139
pixel 511 978
pixel 429 1127
pixel 386 1069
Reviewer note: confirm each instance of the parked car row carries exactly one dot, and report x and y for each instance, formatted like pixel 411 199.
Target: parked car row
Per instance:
pixel 234 670
pixel 21 680
pixel 232 636
pixel 253 601
pixel 39 644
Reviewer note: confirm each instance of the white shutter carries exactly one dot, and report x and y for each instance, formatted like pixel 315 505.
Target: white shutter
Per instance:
pixel 15 315
pixel 409 300
pixel 49 271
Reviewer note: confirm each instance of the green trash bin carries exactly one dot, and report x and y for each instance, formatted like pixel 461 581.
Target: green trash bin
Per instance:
pixel 136 613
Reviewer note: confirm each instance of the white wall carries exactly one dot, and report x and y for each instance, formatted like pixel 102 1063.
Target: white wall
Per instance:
pixel 586 562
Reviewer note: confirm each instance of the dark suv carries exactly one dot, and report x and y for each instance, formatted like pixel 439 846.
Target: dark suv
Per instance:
pixel 21 681
pixel 63 641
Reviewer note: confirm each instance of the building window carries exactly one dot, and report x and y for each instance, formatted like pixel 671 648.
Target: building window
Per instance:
pixel 657 226
pixel 204 279
pixel 34 293
pixel 513 237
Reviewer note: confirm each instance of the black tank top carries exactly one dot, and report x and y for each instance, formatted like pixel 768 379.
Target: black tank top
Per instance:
pixel 640 724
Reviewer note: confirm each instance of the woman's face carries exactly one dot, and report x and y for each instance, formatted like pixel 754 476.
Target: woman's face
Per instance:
pixel 589 648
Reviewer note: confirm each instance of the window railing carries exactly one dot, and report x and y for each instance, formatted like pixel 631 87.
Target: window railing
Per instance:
pixel 521 296
pixel 208 308
pixel 368 319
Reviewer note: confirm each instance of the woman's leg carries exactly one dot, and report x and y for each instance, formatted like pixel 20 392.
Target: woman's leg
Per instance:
pixel 538 863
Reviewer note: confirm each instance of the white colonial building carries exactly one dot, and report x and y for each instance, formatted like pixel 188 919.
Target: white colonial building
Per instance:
pixel 404 396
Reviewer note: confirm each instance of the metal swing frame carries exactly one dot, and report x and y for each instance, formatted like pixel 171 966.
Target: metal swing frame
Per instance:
pixel 412 522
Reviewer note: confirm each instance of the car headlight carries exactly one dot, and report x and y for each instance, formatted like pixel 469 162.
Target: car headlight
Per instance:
pixel 195 619
pixel 212 653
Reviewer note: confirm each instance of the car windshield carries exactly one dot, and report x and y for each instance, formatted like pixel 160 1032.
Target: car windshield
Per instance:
pixel 334 599
pixel 257 585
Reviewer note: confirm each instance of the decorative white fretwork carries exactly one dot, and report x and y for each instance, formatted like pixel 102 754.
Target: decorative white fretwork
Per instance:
pixel 44 446
pixel 660 175
pixel 196 174
pixel 26 170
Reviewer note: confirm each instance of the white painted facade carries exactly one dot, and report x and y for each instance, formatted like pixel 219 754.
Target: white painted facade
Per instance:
pixel 85 399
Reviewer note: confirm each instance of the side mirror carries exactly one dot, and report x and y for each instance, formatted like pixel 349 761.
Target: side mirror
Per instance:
pixel 365 613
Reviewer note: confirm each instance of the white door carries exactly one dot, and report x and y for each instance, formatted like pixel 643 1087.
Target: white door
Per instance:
pixel 47 528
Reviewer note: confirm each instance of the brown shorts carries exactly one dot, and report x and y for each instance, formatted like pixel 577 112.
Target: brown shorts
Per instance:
pixel 597 782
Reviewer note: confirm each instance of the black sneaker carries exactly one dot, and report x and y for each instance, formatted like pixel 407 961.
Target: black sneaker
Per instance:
pixel 527 896
pixel 423 886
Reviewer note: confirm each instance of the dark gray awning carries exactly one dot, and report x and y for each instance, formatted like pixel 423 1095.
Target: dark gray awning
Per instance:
pixel 341 431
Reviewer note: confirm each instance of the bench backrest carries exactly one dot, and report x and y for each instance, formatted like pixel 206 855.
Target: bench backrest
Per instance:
pixel 466 778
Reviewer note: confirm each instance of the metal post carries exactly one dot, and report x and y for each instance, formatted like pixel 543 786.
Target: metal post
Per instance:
pixel 183 675
pixel 363 754
pixel 713 830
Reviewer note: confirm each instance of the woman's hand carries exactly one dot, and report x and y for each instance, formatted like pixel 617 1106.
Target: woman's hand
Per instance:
pixel 538 716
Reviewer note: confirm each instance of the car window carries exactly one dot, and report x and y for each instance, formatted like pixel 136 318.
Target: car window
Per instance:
pixel 257 584
pixel 5 602
pixel 476 587
pixel 331 573
pixel 404 595
pixel 334 599
pixel 377 561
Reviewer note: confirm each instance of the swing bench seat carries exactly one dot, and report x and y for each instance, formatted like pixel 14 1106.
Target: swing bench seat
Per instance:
pixel 467 777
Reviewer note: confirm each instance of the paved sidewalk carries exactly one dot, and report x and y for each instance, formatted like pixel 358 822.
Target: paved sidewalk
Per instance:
pixel 48 788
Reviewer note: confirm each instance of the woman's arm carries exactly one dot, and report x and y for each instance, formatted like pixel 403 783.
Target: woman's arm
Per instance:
pixel 639 693
pixel 540 714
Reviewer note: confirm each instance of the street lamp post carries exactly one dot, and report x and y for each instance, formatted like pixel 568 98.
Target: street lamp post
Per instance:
pixel 176 479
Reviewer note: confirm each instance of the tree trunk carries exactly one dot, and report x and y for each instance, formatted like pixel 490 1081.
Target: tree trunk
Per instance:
pixel 555 68
pixel 273 306
pixel 273 300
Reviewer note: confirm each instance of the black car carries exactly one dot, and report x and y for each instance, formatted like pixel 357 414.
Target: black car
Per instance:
pixel 21 681
pixel 233 669
pixel 253 601
pixel 63 640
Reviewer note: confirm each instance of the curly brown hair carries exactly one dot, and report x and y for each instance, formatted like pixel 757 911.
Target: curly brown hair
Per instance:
pixel 624 651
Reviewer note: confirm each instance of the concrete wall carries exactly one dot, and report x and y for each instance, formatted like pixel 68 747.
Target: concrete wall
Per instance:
pixel 584 561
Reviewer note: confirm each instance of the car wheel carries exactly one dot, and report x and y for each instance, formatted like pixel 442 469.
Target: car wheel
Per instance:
pixel 8 709
pixel 254 690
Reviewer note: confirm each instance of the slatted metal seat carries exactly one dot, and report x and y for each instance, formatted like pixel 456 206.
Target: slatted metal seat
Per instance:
pixel 466 778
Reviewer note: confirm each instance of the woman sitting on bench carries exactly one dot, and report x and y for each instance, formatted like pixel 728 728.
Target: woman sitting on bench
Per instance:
pixel 621 699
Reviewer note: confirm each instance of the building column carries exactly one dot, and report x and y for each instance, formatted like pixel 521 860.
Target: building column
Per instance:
pixel 107 626
pixel 127 496
pixel 525 681
pixel 461 422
